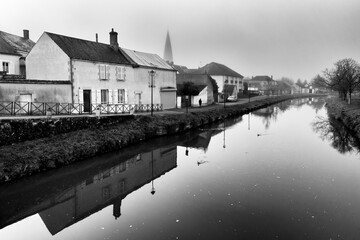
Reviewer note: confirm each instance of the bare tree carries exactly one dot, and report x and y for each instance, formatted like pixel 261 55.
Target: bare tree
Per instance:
pixel 343 78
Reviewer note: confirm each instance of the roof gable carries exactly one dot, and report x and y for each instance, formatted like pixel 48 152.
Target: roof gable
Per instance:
pixel 88 50
pixel 12 44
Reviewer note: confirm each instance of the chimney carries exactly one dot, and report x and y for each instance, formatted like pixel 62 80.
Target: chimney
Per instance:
pixel 113 39
pixel 96 37
pixel 26 34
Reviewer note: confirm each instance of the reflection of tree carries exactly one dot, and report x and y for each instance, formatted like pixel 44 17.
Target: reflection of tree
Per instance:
pixel 342 139
pixel 268 114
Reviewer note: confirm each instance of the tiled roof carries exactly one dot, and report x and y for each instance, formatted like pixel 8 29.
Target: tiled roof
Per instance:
pixel 261 78
pixel 148 59
pixel 180 69
pixel 12 44
pixel 216 69
pixel 88 50
pixel 197 79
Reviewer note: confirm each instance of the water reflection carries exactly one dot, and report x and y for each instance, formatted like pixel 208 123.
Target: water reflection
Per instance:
pixel 270 114
pixel 65 196
pixel 333 130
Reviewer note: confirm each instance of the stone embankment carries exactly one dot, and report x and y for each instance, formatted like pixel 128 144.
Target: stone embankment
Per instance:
pixel 41 145
pixel 348 114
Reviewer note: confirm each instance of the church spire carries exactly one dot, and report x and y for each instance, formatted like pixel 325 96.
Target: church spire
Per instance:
pixel 168 51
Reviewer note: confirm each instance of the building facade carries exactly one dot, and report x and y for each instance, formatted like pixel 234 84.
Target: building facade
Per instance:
pixel 98 73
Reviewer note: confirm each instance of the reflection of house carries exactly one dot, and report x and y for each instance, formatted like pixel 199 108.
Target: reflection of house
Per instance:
pixel 100 73
pixel 13 51
pixel 107 187
pixel 204 85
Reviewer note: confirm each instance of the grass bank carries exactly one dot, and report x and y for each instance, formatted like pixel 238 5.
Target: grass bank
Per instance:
pixel 30 157
pixel 349 114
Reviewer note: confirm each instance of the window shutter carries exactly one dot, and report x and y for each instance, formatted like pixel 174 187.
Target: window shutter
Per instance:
pixel 98 96
pixel 111 101
pixel 126 96
pixel 116 96
pixel 124 73
pixel 93 96
pixel 107 72
pixel 102 71
pixel 81 96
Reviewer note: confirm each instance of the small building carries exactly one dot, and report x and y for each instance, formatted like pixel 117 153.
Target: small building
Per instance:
pixel 164 78
pixel 13 51
pixel 204 84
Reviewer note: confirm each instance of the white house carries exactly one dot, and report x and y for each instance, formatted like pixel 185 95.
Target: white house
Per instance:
pixel 164 79
pixel 99 73
pixel 204 85
pixel 222 74
pixel 13 51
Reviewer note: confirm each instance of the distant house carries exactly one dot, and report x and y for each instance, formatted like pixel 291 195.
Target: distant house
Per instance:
pixel 262 85
pixel 13 51
pixel 204 84
pixel 222 74
pixel 99 73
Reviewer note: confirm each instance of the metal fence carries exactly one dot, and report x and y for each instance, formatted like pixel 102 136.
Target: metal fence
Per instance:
pixel 38 108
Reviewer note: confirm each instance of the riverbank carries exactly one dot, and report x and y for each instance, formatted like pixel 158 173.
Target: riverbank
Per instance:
pixel 348 114
pixel 104 135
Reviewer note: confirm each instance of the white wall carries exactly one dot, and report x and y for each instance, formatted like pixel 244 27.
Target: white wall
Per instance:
pixel 46 61
pixel 86 77
pixel 14 63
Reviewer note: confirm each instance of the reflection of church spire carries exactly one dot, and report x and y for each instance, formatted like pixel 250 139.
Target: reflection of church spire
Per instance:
pixel 168 57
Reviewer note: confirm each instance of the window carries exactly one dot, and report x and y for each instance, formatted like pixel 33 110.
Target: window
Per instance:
pixel 232 81
pixel 104 96
pixel 226 81
pixel 104 72
pixel 120 73
pixel 5 67
pixel 121 95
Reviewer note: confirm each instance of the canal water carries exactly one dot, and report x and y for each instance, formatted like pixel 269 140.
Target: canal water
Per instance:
pixel 283 172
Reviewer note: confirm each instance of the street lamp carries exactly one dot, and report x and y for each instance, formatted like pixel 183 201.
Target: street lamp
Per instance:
pixel 152 85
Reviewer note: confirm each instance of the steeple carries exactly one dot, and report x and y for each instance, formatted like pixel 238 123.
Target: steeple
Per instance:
pixel 168 57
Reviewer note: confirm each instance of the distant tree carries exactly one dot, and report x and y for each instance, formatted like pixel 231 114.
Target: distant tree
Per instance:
pixel 246 88
pixel 188 89
pixel 287 80
pixel 299 83
pixel 215 86
pixel 344 78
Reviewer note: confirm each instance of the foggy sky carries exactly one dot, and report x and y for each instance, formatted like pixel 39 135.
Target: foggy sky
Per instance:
pixel 283 38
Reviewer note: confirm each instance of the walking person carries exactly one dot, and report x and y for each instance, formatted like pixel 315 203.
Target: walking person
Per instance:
pixel 200 102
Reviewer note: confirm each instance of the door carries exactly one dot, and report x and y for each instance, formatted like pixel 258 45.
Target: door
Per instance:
pixel 87 100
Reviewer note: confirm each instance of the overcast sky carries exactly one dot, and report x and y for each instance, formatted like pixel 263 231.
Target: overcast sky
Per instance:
pixel 290 38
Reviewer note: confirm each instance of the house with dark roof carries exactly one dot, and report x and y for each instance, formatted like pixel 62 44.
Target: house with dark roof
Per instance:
pixel 99 73
pixel 13 51
pixel 204 84
pixel 222 74
pixel 262 84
